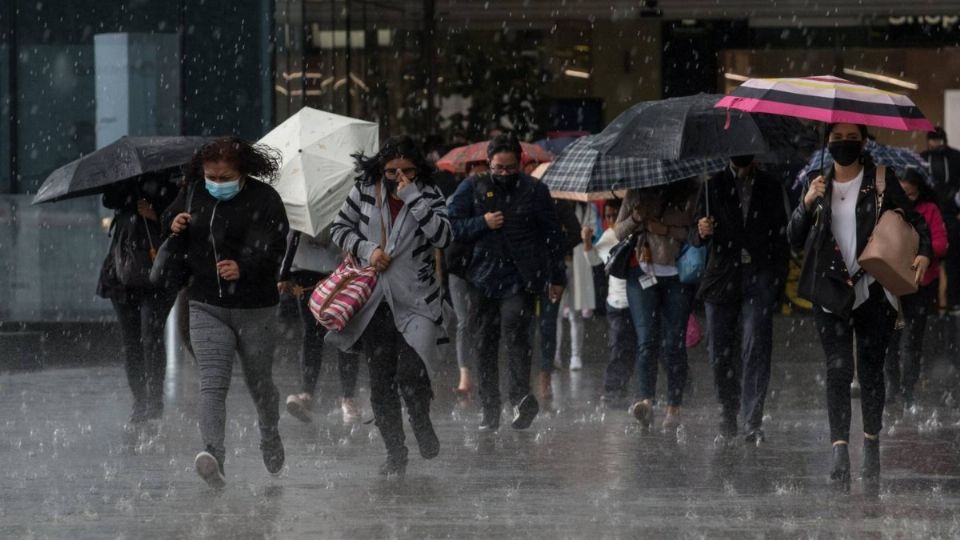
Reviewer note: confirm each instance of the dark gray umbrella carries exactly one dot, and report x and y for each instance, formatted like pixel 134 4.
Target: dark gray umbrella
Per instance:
pixel 121 160
pixel 691 127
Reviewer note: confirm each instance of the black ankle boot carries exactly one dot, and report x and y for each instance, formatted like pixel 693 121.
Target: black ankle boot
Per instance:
pixel 423 430
pixel 840 471
pixel 396 464
pixel 870 470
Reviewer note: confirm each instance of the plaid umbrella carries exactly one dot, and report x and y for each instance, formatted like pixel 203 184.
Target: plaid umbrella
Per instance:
pixel 827 99
pixel 456 160
pixel 581 170
pixel 899 159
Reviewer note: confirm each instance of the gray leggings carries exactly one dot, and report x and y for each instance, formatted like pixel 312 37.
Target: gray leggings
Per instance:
pixel 218 334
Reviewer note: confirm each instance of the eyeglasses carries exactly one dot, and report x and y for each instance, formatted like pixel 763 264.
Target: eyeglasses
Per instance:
pixel 505 169
pixel 410 172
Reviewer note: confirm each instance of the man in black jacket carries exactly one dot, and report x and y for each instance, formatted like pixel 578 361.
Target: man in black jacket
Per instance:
pixel 517 251
pixel 742 217
pixel 945 171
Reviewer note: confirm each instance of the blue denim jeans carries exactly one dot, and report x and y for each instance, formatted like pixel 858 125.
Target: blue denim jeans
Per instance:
pixel 660 316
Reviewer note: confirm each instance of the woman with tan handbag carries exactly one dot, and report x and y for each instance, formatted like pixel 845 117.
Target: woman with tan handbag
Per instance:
pixel 392 220
pixel 833 225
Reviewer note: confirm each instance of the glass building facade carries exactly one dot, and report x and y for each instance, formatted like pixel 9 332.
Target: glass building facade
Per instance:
pixel 76 75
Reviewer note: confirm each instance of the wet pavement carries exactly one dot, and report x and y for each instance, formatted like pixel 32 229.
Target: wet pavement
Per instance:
pixel 69 470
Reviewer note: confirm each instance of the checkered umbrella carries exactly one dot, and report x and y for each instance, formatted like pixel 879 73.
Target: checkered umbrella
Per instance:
pixel 581 169
pixel 899 159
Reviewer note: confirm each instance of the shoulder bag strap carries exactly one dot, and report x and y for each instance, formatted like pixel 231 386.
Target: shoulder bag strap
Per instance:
pixel 383 229
pixel 881 187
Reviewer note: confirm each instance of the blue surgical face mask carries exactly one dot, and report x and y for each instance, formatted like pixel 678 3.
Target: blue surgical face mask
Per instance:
pixel 223 191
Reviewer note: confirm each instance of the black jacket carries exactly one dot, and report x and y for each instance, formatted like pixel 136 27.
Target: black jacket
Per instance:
pixel 528 249
pixel 763 235
pixel 945 169
pixel 129 226
pixel 824 278
pixel 250 229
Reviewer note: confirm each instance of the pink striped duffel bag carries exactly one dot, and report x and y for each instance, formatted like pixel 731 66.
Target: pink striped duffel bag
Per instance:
pixel 336 299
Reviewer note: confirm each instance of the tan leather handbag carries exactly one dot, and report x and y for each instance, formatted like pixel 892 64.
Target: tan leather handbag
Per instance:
pixel 892 247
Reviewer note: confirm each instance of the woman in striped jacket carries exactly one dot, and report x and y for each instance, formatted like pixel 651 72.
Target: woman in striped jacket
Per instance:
pixel 393 220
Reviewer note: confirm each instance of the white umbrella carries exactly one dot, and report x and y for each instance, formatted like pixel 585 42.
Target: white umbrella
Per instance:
pixel 316 170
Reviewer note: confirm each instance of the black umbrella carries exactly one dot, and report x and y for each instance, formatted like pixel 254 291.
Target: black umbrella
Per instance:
pixel 121 160
pixel 691 127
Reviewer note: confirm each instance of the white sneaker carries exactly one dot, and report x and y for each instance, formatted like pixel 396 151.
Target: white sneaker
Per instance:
pixel 208 468
pixel 299 406
pixel 351 410
pixel 576 364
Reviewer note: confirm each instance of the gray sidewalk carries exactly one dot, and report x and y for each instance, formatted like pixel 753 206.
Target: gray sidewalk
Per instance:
pixel 68 470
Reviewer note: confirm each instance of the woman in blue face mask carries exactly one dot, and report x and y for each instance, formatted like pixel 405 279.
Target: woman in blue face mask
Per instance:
pixel 236 229
pixel 831 225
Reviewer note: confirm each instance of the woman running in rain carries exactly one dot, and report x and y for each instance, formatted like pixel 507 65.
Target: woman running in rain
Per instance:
pixel 236 235
pixel 832 225
pixel 393 219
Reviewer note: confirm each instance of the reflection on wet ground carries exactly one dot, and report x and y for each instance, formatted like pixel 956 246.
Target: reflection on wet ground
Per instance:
pixel 69 470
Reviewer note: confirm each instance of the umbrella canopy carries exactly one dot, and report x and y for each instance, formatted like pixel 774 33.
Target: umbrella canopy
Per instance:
pixel 125 158
pixel 456 160
pixel 827 99
pixel 557 145
pixel 691 127
pixel 894 157
pixel 316 169
pixel 582 197
pixel 581 171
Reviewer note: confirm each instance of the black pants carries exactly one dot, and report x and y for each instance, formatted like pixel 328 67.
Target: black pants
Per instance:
pixel 142 314
pixel 508 318
pixel 622 342
pixel 873 322
pixel 395 370
pixel 311 354
pixel 906 345
pixel 740 343
pixel 952 262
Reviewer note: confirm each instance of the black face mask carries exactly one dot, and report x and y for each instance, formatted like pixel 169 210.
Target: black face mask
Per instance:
pixel 938 150
pixel 506 180
pixel 741 162
pixel 845 152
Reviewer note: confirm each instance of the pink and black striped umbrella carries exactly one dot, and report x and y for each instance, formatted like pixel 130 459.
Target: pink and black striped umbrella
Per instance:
pixel 827 99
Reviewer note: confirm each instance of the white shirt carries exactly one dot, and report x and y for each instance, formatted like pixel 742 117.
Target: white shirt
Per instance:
pixel 843 225
pixel 616 288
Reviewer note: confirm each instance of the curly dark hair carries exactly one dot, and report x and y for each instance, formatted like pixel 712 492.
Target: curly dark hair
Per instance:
pixel 370 169
pixel 257 161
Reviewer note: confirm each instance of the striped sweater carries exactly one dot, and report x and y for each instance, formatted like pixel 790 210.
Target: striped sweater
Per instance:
pixel 410 285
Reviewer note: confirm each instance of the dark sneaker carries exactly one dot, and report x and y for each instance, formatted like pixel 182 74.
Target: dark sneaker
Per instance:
pixel 840 470
pixel 525 412
pixel 426 437
pixel 210 469
pixel 643 412
pixel 755 436
pixel 870 470
pixel 273 455
pixel 396 464
pixel 491 420
pixel 154 411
